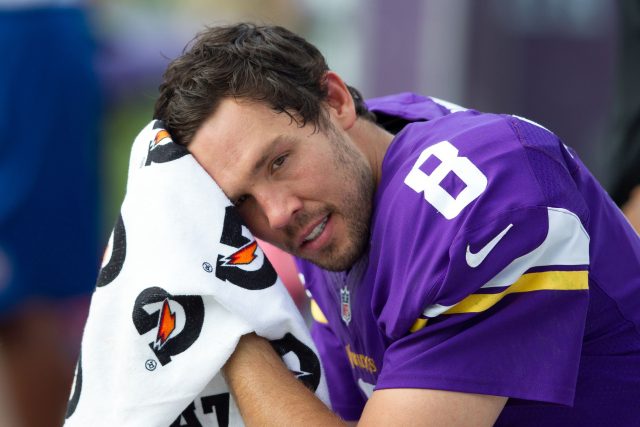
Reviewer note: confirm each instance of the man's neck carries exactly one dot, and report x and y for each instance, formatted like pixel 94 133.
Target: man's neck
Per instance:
pixel 373 141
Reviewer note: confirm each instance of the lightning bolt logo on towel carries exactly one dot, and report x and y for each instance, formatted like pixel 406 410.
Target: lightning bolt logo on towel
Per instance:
pixel 162 149
pixel 246 266
pixel 176 321
pixel 166 325
pixel 244 256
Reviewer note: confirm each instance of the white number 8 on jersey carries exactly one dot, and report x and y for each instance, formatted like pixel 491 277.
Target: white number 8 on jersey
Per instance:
pixel 474 180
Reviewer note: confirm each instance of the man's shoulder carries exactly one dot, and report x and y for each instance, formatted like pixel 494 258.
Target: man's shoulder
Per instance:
pixel 463 171
pixel 450 166
pixel 458 194
pixel 419 122
pixel 465 160
pixel 411 107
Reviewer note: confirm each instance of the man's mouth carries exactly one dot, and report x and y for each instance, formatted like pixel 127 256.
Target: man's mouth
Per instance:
pixel 317 230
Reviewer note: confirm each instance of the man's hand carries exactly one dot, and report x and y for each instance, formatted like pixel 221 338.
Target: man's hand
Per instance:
pixel 269 395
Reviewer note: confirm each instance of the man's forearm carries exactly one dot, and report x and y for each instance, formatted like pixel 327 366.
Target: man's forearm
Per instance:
pixel 267 393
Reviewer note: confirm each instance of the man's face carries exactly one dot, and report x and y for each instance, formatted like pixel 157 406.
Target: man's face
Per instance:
pixel 307 193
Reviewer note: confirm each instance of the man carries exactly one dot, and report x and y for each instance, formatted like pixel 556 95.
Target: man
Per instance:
pixel 466 269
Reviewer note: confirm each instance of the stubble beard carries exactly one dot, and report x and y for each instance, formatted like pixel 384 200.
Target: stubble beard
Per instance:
pixel 355 207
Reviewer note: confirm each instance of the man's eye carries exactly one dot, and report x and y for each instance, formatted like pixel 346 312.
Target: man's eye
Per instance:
pixel 278 162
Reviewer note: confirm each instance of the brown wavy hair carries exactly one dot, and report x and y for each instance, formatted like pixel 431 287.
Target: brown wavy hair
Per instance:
pixel 261 63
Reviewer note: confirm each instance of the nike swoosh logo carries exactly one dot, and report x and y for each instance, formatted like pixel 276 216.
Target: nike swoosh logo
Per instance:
pixel 475 259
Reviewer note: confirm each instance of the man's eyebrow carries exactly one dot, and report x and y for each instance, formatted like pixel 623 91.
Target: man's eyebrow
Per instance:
pixel 269 151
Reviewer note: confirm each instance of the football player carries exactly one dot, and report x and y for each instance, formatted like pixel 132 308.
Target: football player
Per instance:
pixel 465 267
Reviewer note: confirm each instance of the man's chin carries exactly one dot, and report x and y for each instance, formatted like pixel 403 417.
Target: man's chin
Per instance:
pixel 335 262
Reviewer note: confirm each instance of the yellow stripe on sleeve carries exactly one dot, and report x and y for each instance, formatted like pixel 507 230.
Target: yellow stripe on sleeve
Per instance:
pixel 317 314
pixel 530 282
pixel 418 324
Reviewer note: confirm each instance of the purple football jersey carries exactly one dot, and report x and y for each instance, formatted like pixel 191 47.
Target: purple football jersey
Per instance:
pixel 496 265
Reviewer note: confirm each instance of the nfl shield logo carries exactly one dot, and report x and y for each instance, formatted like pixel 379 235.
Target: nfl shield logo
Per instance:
pixel 345 298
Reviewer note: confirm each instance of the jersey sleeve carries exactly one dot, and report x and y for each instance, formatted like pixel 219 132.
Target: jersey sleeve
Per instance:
pixel 492 295
pixel 346 399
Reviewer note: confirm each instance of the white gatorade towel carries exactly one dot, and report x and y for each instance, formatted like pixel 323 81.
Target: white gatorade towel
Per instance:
pixel 181 281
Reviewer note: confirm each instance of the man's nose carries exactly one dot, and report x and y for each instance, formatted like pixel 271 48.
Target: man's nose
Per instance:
pixel 279 207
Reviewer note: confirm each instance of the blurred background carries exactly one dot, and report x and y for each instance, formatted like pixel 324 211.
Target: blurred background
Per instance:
pixel 561 63
pixel 570 65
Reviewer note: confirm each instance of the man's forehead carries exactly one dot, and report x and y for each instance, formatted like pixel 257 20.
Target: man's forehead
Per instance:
pixel 237 140
pixel 235 117
pixel 243 118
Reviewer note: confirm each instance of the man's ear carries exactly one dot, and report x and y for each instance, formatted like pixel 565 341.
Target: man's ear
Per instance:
pixel 341 105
